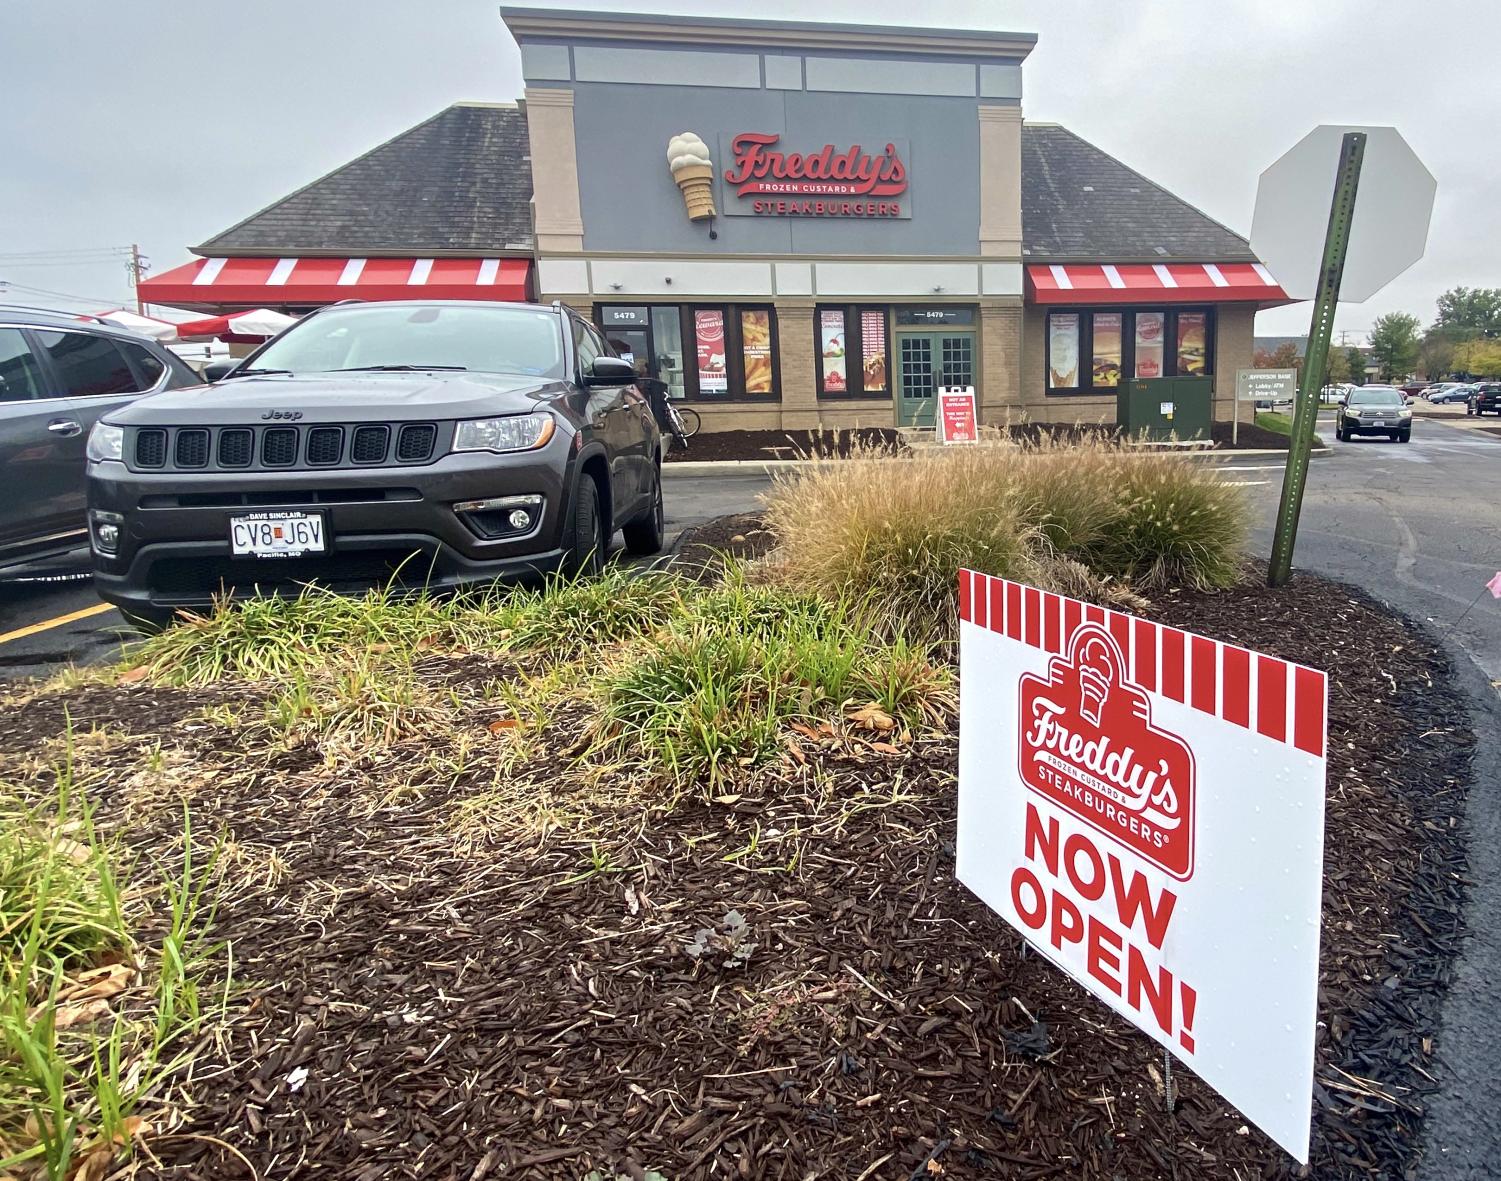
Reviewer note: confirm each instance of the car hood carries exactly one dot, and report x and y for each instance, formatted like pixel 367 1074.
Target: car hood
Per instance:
pixel 340 397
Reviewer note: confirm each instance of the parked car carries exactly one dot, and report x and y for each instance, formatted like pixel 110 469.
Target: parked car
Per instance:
pixel 1484 398
pixel 1438 388
pixel 1414 389
pixel 1374 410
pixel 59 373
pixel 439 444
pixel 1453 393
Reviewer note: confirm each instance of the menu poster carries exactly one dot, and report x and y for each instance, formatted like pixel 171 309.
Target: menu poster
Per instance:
pixel 1063 350
pixel 755 347
pixel 873 340
pixel 708 331
pixel 1106 361
pixel 1150 329
pixel 1192 346
pixel 831 345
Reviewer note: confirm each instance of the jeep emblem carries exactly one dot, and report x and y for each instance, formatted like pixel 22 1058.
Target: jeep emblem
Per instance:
pixel 281 415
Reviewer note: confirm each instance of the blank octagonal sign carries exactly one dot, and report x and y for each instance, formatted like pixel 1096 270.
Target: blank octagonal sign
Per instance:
pixel 1389 229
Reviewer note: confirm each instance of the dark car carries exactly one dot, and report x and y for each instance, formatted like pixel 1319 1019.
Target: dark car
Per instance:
pixel 1374 410
pixel 412 444
pixel 1484 398
pixel 59 373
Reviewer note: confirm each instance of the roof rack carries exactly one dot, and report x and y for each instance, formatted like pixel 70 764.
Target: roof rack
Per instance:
pixel 62 315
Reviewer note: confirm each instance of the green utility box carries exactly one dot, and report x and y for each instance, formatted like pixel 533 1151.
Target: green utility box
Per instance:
pixel 1161 408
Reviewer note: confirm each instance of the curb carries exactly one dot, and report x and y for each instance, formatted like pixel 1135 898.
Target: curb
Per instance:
pixel 765 467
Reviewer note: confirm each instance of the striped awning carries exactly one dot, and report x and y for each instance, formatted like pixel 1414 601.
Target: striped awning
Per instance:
pixel 1164 282
pixel 221 283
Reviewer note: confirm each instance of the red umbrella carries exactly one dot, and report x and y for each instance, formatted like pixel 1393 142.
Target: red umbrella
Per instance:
pixel 237 327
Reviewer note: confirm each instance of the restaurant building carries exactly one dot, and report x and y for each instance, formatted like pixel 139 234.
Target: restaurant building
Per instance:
pixel 792 225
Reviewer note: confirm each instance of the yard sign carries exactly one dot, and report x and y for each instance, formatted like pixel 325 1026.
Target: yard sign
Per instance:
pixel 956 415
pixel 1146 806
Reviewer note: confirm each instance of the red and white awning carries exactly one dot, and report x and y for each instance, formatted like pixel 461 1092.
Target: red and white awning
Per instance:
pixel 1163 282
pixel 237 327
pixel 219 283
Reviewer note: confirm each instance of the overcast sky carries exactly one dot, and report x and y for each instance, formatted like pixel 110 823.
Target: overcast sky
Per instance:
pixel 164 121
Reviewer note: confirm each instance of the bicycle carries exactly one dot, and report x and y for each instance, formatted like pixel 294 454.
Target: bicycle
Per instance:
pixel 683 423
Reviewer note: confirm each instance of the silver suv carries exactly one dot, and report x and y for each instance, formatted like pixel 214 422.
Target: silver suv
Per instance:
pixel 59 374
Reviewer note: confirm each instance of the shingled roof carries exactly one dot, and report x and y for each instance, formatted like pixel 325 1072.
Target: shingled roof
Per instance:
pixel 1080 204
pixel 460 182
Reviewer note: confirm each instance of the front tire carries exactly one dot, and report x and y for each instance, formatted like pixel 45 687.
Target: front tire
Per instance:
pixel 645 534
pixel 1405 437
pixel 586 556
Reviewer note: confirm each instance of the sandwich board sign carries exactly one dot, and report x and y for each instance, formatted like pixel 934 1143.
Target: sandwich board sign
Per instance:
pixel 1146 807
pixel 956 415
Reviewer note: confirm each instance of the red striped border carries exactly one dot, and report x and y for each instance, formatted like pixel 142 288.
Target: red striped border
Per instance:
pixel 1277 699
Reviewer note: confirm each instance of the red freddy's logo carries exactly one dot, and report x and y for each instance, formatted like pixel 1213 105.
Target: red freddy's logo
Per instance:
pixel 759 167
pixel 1088 744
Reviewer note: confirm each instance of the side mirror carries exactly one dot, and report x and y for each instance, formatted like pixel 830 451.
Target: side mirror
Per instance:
pixel 608 371
pixel 218 370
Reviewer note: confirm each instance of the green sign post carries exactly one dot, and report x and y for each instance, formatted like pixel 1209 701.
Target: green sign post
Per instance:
pixel 1306 408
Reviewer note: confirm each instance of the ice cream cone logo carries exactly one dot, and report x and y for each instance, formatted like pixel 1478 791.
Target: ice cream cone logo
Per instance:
pixel 1097 672
pixel 693 170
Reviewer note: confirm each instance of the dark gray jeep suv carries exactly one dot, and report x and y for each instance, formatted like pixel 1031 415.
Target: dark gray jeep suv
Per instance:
pixel 416 443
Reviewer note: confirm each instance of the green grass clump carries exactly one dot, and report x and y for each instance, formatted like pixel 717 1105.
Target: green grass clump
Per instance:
pixel 1269 420
pixel 714 690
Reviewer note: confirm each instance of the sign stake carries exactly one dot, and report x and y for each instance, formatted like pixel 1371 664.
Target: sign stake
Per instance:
pixel 1315 360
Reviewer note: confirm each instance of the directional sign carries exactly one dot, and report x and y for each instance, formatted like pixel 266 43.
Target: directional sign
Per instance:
pixel 1266 385
pixel 1389 227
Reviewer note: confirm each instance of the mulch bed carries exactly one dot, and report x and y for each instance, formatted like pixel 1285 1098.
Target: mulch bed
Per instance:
pixel 484 1008
pixel 718 446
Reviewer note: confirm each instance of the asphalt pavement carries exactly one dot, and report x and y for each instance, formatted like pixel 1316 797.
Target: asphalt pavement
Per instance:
pixel 1416 525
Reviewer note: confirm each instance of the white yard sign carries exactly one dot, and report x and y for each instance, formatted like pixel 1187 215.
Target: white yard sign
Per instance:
pixel 1146 807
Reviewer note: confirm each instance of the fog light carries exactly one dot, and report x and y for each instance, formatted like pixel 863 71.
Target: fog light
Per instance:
pixel 519 519
pixel 107 532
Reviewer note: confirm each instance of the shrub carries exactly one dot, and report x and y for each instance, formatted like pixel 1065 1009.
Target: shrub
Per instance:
pixel 1088 519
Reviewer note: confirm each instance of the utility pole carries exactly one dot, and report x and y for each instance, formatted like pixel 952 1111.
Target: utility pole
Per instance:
pixel 137 267
pixel 1306 409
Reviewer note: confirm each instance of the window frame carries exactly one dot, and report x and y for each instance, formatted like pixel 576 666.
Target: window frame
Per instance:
pixel 852 312
pixel 734 354
pixel 1127 312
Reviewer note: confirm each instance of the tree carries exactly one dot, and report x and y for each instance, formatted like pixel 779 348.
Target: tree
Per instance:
pixel 1436 356
pixel 1478 357
pixel 1470 312
pixel 1284 356
pixel 1337 367
pixel 1394 344
pixel 1355 361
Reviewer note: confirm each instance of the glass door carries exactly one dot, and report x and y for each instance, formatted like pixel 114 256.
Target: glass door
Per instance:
pixel 926 361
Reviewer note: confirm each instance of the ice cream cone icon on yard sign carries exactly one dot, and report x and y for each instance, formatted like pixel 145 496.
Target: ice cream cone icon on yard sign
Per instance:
pixel 688 159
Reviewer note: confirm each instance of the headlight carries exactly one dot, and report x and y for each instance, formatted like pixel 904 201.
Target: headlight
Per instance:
pixel 1404 413
pixel 516 432
pixel 106 442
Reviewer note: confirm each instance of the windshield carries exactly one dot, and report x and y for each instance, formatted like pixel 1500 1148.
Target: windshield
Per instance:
pixel 1370 397
pixel 485 339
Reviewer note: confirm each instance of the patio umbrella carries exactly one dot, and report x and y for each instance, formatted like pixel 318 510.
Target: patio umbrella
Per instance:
pixel 145 325
pixel 237 327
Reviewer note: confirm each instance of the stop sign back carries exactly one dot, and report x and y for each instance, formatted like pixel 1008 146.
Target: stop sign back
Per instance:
pixel 1389 228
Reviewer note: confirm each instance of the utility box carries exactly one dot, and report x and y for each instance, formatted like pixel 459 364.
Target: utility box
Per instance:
pixel 1161 408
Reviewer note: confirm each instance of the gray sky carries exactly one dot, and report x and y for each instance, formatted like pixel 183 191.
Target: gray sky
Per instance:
pixel 164 121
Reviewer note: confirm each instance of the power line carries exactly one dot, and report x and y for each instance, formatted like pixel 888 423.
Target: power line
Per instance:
pixel 72 295
pixel 43 255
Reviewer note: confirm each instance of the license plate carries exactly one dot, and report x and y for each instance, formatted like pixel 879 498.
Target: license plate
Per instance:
pixel 1378 422
pixel 276 535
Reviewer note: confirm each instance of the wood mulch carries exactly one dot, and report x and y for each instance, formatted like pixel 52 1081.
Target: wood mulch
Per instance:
pixel 463 1004
pixel 718 446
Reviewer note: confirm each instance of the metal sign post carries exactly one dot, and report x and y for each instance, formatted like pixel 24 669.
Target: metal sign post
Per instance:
pixel 1306 408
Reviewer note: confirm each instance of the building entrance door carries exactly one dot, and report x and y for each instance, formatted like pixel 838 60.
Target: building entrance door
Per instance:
pixel 926 361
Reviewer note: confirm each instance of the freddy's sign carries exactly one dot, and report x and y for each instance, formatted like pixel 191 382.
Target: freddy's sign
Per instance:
pixel 832 180
pixel 1146 806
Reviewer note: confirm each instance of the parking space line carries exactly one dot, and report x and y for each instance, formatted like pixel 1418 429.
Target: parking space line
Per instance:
pixel 48 624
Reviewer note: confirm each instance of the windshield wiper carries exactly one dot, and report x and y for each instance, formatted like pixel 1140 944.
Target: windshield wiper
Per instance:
pixel 257 372
pixel 397 368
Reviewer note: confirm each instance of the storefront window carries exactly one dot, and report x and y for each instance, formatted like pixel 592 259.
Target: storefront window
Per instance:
pixel 708 336
pixel 833 357
pixel 1141 343
pixel 755 350
pixel 1063 350
pixel 1193 339
pixel 854 357
pixel 1106 349
pixel 667 347
pixel 1151 327
pixel 873 351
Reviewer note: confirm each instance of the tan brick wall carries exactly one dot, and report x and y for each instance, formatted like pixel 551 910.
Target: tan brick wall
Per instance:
pixel 799 409
pixel 1234 348
pixel 1000 375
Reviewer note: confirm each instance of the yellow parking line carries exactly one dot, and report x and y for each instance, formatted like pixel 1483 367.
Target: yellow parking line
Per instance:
pixel 22 632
